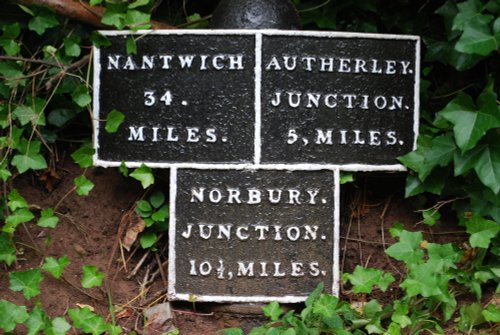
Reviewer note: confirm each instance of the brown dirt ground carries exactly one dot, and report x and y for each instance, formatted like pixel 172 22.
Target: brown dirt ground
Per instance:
pixel 89 227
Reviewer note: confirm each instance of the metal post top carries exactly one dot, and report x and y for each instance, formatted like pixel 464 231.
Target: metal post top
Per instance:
pixel 255 14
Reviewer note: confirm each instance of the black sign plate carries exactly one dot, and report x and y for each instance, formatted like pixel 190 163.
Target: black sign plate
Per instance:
pixel 252 235
pixel 258 97
pixel 186 98
pixel 339 100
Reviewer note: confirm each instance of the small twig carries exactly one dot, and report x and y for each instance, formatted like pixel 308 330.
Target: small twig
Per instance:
pixel 315 7
pixel 138 266
pixel 142 293
pixel 30 60
pixel 122 256
pixel 187 24
pixel 64 71
pixel 79 289
pixel 157 296
pixel 192 313
pixel 35 245
pixel 73 189
pixel 162 272
pixel 351 239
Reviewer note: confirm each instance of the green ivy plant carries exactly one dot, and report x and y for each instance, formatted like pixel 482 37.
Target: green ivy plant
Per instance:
pixel 45 94
pixel 155 213
pixel 432 273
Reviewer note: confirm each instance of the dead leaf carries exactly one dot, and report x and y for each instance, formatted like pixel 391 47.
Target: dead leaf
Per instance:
pixel 85 306
pixel 126 313
pixel 79 249
pixel 132 232
pixel 50 179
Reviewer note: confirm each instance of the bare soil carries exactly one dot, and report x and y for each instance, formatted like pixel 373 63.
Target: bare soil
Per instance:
pixel 90 229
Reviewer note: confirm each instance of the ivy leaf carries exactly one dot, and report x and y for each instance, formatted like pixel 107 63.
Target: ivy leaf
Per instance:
pixel 16 200
pixel 143 208
pixel 470 12
pixel 232 331
pixel 29 157
pixel 147 240
pixel 81 96
pixel 478 39
pixel 440 153
pixel 37 321
pixel 61 116
pixel 114 15
pixel 315 294
pixel 408 248
pixel 72 46
pixel 138 3
pixel 11 47
pixel 84 319
pixel 325 306
pixel 7 252
pixel 157 199
pixel 131 46
pixel 160 215
pixel 422 280
pixel 443 256
pixel 59 326
pixel 55 266
pixel 7 40
pixel 491 313
pixel 431 216
pixel 363 279
pixel 400 314
pixel 11 315
pixel 48 219
pixel 42 20
pixel 470 316
pixel 272 311
pixel 20 216
pixel 469 123
pixel 123 169
pixel 26 281
pixel 83 185
pixel 91 277
pixel 137 20
pixel 487 167
pixel 432 184
pixel 26 114
pixel 33 161
pixel 372 308
pixel 83 156
pixel 113 121
pixel 117 330
pixel 481 231
pixel 144 175
pixel 445 52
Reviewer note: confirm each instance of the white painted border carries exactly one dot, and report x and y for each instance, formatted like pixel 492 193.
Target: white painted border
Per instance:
pixel 95 101
pixel 416 107
pixel 171 233
pixel 258 92
pixel 250 166
pixel 258 72
pixel 269 32
pixel 173 295
pixel 336 233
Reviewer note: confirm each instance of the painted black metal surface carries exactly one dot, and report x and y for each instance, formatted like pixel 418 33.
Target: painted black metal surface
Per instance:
pixel 324 98
pixel 186 98
pixel 255 14
pixel 253 233
pixel 337 100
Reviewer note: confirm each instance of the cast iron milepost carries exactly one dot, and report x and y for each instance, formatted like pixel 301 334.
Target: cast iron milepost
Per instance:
pixel 255 14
